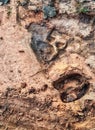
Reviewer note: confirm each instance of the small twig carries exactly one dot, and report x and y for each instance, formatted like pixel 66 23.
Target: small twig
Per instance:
pixel 38 72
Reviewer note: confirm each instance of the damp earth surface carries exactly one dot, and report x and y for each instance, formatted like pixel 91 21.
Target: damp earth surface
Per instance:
pixel 47 65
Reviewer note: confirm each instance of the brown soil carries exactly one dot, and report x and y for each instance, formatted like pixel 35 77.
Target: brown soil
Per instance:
pixel 36 94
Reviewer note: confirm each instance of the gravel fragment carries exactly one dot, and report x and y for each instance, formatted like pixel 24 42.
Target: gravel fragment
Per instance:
pixel 91 61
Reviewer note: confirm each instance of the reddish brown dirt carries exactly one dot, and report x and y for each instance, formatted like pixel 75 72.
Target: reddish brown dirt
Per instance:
pixel 28 99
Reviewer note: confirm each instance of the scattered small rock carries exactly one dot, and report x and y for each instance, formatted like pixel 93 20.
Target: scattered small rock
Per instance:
pixel 32 90
pixel 3 2
pixel 49 11
pixel 44 88
pixel 66 8
pixel 32 8
pixel 23 2
pixel 91 61
pixel 21 12
pixel 87 7
pixel 23 85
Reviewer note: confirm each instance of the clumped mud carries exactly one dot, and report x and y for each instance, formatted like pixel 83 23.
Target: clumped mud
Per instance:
pixel 72 87
pixel 47 65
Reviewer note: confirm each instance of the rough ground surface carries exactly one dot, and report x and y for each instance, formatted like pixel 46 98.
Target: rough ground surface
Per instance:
pixel 47 80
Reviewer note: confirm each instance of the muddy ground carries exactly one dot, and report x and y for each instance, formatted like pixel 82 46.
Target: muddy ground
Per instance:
pixel 47 65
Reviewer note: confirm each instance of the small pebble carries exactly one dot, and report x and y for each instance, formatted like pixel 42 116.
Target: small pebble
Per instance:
pixel 23 85
pixel 91 61
pixel 32 90
pixel 23 2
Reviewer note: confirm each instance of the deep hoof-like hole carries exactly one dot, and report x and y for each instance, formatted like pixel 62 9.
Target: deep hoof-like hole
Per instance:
pixel 71 87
